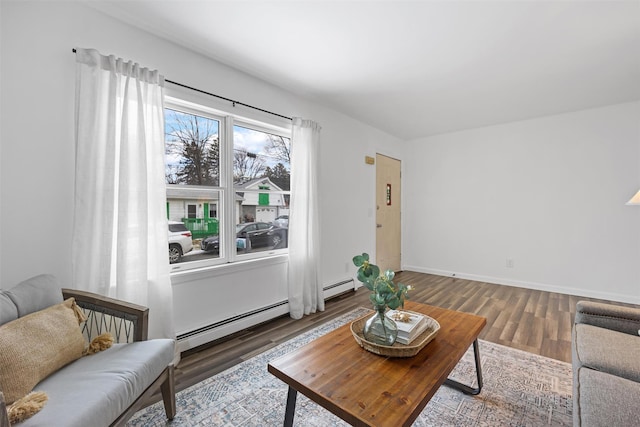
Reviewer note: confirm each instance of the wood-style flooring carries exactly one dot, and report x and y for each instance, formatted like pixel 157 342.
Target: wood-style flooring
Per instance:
pixel 535 321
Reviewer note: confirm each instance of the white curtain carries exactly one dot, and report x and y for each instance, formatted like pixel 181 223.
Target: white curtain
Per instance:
pixel 305 286
pixel 120 226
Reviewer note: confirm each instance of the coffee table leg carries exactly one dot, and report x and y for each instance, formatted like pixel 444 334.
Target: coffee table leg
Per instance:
pixel 291 407
pixel 463 387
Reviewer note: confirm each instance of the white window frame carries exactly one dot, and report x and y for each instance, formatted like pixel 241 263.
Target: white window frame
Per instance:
pixel 226 194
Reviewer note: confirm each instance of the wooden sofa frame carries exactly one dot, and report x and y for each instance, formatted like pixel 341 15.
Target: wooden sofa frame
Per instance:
pixel 128 323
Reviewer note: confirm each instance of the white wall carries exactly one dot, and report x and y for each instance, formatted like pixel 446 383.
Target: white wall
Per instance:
pixel 547 193
pixel 37 155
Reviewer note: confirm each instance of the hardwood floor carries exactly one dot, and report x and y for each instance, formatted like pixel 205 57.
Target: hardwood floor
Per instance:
pixel 535 321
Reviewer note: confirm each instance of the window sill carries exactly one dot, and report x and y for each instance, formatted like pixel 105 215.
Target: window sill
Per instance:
pixel 180 277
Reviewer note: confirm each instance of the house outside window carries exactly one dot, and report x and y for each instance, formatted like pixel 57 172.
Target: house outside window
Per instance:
pixel 228 179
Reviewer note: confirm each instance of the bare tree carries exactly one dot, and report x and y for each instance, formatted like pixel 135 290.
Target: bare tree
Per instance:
pixel 246 166
pixel 279 148
pixel 193 141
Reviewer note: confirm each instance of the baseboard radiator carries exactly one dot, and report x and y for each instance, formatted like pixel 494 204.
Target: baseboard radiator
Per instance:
pixel 338 288
pixel 217 330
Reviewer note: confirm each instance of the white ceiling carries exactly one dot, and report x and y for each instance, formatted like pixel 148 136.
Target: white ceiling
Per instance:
pixel 417 68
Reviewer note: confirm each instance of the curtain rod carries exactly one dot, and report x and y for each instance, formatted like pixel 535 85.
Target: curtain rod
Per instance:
pixel 227 99
pixel 234 103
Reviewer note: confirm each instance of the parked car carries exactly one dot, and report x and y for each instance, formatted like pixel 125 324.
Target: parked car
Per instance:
pixel 259 234
pixel 180 241
pixel 282 221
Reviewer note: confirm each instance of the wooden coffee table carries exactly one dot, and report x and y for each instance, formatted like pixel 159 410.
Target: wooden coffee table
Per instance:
pixel 365 389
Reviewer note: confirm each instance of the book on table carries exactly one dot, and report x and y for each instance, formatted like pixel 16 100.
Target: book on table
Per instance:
pixel 410 325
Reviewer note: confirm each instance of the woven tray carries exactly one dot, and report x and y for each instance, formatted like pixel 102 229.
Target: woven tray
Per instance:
pixel 397 349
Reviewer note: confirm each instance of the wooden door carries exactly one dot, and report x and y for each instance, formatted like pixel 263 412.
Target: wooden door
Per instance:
pixel 388 219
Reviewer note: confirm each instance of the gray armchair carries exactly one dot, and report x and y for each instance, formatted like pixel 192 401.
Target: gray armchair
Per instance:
pixel 106 388
pixel 606 365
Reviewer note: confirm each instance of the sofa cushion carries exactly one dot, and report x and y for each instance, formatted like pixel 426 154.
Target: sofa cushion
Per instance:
pixel 607 351
pixel 96 389
pixel 34 346
pixel 8 310
pixel 601 399
pixel 29 296
pixel 609 316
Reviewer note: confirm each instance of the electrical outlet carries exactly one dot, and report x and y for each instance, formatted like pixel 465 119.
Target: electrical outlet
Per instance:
pixel 509 263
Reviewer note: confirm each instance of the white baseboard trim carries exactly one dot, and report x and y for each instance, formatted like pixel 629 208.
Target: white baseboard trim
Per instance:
pixel 527 285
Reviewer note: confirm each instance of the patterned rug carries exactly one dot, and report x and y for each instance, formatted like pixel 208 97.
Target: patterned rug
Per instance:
pixel 520 389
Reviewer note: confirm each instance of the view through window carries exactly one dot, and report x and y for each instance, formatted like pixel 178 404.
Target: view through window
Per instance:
pixel 231 193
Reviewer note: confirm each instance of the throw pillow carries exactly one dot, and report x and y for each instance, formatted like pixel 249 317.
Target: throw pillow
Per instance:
pixel 38 344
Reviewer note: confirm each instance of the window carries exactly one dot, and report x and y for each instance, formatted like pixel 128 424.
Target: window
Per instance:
pixel 213 210
pixel 228 180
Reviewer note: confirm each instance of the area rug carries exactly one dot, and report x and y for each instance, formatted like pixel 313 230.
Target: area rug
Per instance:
pixel 520 389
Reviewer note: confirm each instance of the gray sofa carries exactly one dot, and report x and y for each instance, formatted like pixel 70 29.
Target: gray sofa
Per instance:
pixel 606 365
pixel 106 388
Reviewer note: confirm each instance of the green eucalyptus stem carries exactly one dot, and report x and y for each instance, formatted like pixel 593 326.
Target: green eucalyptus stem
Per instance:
pixel 384 291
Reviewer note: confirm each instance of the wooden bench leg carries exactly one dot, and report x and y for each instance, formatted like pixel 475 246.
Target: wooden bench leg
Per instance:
pixel 168 390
